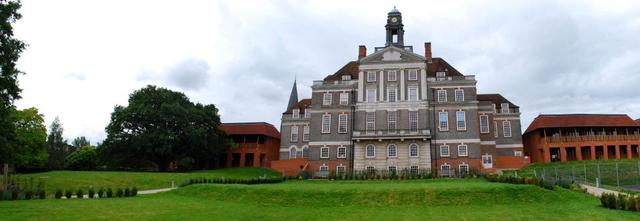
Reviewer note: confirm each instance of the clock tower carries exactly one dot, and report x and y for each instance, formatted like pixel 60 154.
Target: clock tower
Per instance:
pixel 395 32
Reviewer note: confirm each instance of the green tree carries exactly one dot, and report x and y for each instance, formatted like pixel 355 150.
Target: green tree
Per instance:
pixel 57 146
pixel 31 133
pixel 160 127
pixel 10 50
pixel 80 142
pixel 85 158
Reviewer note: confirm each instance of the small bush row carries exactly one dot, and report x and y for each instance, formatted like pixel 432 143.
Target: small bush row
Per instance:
pixel 620 201
pixel 20 189
pixel 223 180
pixel 101 193
pixel 549 184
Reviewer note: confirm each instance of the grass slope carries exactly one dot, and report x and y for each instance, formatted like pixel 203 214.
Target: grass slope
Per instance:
pixel 628 170
pixel 73 180
pixel 319 200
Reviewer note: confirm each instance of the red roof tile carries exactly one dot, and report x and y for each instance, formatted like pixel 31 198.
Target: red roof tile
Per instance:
pixel 581 120
pixel 302 105
pixel 350 68
pixel 251 128
pixel 496 99
pixel 438 65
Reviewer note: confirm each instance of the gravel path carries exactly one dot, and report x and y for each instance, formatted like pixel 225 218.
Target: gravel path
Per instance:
pixel 598 191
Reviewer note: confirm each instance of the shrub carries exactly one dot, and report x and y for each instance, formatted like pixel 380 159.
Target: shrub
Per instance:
pixel 134 191
pixel 58 194
pixel 101 192
pixel 631 203
pixel 85 158
pixel 42 194
pixel 91 193
pixel 127 192
pixel 109 192
pixel 79 194
pixel 68 194
pixel 621 201
pixel 119 192
pixel 28 194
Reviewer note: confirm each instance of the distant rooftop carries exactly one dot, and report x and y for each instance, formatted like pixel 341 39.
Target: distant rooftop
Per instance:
pixel 581 120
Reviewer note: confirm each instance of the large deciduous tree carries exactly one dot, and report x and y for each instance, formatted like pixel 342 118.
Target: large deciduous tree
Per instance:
pixel 10 49
pixel 57 146
pixel 161 127
pixel 29 151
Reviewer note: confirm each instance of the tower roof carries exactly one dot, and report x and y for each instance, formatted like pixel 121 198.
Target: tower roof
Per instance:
pixel 394 10
pixel 293 98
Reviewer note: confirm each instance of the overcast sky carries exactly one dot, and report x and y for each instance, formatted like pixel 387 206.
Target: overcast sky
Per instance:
pixel 85 57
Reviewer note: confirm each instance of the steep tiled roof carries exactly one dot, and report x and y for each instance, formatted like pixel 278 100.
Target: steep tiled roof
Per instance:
pixel 250 128
pixel 350 68
pixel 438 65
pixel 581 120
pixel 302 105
pixel 496 99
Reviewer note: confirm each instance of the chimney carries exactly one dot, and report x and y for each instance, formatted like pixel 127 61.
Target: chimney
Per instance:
pixel 427 51
pixel 362 52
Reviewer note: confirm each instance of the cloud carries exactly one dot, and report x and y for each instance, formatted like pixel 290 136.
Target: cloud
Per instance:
pixel 190 74
pixel 77 76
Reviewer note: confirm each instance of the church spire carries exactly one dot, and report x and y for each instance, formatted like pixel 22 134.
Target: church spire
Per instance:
pixel 293 98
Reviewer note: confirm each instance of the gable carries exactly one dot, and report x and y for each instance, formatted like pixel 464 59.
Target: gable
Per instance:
pixel 392 54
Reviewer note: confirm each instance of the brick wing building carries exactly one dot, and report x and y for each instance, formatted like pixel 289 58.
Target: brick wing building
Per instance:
pixel 395 110
pixel 257 144
pixel 568 137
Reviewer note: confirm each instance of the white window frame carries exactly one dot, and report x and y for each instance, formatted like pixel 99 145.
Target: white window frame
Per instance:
pixel 441 75
pixel 413 75
pixel 305 133
pixel 413 120
pixel 324 170
pixel 327 99
pixel 417 150
pixel 448 169
pixel 370 121
pixel 466 150
pixel 295 113
pixel 371 76
pixel 484 124
pixel 370 169
pixel 442 95
pixel 413 93
pixel 506 128
pixel 324 152
pixel 463 121
pixel 459 95
pixel 392 94
pixel 392 120
pixel 445 147
pixel 504 108
pixel 466 170
pixel 294 133
pixel 517 153
pixel 293 151
pixel 445 126
pixel 392 169
pixel 392 73
pixel 307 113
pixel 489 158
pixel 371 95
pixel 305 151
pixel 342 155
pixel 326 123
pixel 339 168
pixel 344 98
pixel 342 123
pixel 414 169
pixel 346 77
pixel 373 149
pixel 495 127
pixel 391 147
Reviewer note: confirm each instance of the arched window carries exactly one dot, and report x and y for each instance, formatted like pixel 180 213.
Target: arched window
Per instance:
pixel 305 152
pixel 392 150
pixel 293 152
pixel 413 150
pixel 371 151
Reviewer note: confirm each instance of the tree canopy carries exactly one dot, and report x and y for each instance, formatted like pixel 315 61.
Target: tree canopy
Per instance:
pixel 161 127
pixel 29 151
pixel 57 146
pixel 79 142
pixel 10 50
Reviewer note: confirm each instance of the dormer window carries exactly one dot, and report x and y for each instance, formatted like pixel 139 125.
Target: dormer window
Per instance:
pixel 441 75
pixel 504 108
pixel 296 114
pixel 346 77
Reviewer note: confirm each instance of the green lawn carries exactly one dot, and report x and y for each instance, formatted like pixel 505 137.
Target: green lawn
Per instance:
pixel 324 200
pixel 72 180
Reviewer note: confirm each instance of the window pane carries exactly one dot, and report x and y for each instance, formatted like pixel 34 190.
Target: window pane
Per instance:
pixel 413 120
pixel 413 93
pixel 444 120
pixel 342 123
pixel 392 151
pixel 461 122
pixel 327 99
pixel 371 120
pixel 326 123
pixel 484 124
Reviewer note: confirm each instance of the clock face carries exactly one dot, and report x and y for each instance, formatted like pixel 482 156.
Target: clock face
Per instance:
pixel 394 19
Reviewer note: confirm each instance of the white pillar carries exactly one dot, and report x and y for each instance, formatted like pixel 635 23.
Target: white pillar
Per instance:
pixel 381 89
pixel 402 98
pixel 423 84
pixel 361 77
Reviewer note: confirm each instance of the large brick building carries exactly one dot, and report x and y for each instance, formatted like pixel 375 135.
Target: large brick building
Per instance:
pixel 257 144
pixel 568 137
pixel 394 109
